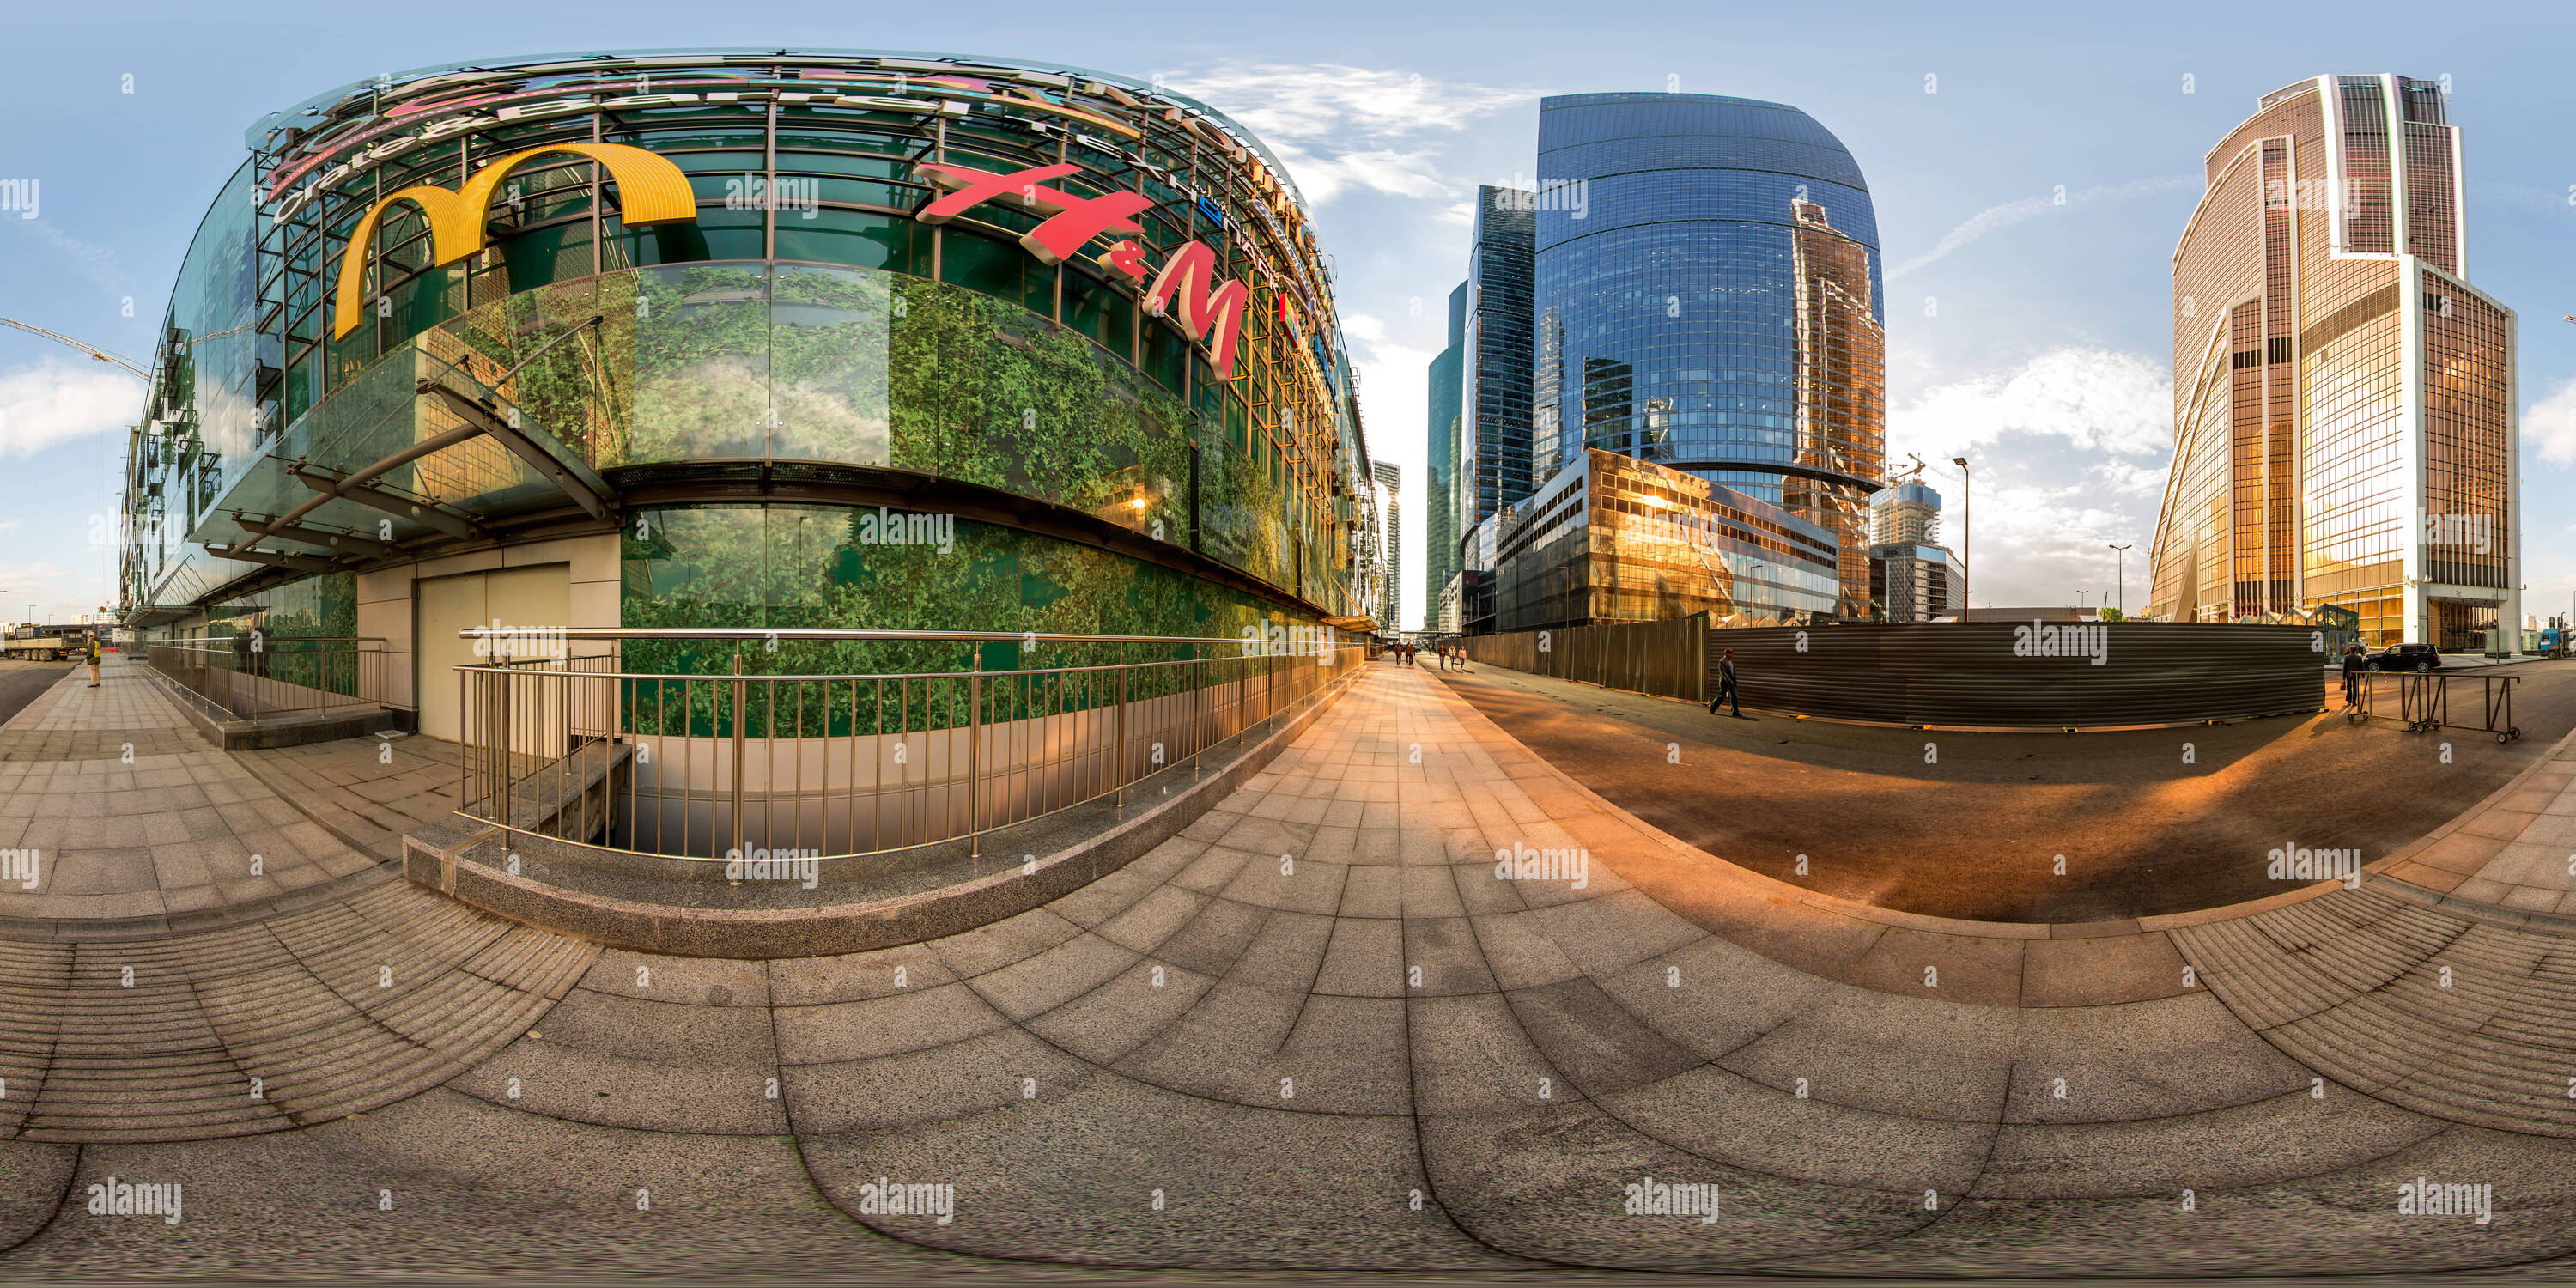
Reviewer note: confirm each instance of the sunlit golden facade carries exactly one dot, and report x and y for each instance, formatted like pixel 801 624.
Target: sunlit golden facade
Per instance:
pixel 1610 538
pixel 2343 399
pixel 1842 396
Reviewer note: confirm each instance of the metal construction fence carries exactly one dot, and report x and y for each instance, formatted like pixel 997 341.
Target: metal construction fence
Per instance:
pixel 1662 658
pixel 260 677
pixel 829 766
pixel 2058 675
pixel 2424 702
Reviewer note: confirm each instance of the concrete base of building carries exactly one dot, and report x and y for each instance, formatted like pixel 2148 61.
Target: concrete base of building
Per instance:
pixel 658 903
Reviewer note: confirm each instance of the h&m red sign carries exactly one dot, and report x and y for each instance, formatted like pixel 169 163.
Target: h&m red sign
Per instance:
pixel 1185 287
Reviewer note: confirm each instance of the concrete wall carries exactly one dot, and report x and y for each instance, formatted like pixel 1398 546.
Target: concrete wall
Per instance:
pixel 386 598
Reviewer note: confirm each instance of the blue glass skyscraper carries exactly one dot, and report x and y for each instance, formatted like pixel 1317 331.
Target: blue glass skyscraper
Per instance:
pixel 1440 497
pixel 1708 298
pixel 1494 407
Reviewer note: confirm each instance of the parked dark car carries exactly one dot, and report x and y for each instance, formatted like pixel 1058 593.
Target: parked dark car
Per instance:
pixel 2407 657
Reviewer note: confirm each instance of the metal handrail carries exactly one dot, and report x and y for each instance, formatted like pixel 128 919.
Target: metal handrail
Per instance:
pixel 283 677
pixel 524 664
pixel 571 748
pixel 275 639
pixel 817 633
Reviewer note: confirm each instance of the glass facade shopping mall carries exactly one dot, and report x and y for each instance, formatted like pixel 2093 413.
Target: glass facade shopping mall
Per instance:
pixel 812 338
pixel 1708 299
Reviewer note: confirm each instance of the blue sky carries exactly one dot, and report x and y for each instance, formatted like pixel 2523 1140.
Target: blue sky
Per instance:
pixel 2031 334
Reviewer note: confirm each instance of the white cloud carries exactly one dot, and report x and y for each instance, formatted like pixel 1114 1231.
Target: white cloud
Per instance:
pixel 2549 426
pixel 56 593
pixel 1338 128
pixel 89 259
pixel 56 400
pixel 1399 174
pixel 2014 212
pixel 2095 399
pixel 2070 451
pixel 1326 100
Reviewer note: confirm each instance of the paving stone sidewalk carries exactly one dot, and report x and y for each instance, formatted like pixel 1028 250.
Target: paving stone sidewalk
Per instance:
pixel 1318 1031
pixel 139 825
pixel 2517 851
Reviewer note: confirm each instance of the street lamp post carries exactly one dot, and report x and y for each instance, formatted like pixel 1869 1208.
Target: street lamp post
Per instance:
pixel 2122 571
pixel 2080 605
pixel 1967 516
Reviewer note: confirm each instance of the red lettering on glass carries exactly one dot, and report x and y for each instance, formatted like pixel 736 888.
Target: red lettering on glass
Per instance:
pixel 1071 221
pixel 1185 279
pixel 1206 309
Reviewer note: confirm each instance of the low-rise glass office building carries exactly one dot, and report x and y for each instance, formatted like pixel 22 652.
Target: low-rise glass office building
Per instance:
pixel 1611 538
pixel 748 338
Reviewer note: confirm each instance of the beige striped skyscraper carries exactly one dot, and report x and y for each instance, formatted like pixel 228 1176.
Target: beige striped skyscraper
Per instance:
pixel 2344 402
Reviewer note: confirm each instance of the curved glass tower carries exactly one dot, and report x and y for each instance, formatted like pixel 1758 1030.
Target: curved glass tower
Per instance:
pixel 1708 299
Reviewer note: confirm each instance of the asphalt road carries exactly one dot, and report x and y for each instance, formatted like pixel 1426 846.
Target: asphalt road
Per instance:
pixel 20 682
pixel 1977 831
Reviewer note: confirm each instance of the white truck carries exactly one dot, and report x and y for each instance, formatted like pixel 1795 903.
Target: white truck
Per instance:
pixel 44 644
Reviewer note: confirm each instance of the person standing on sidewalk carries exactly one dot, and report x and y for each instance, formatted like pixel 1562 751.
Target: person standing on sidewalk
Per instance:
pixel 2354 663
pixel 1726 687
pixel 93 661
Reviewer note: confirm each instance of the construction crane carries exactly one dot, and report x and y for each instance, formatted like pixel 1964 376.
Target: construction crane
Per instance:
pixel 90 349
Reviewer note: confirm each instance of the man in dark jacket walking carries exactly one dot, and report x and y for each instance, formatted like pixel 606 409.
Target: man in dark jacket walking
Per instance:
pixel 2354 664
pixel 1726 687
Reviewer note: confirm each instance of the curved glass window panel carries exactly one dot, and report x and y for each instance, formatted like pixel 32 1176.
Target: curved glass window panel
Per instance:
pixel 300 391
pixel 717 233
pixel 569 195
pixel 942 338
pixel 859 238
pixel 829 331
pixel 549 352
pixel 424 302
pixel 802 565
pixel 996 268
pixel 1166 357
pixel 750 134
pixel 701 363
pixel 549 254
pixel 1103 312
pixel 798 195
pixel 827 135
pixel 1240 514
pixel 846 164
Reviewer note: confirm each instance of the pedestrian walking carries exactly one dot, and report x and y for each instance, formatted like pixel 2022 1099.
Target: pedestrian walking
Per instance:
pixel 93 661
pixel 1726 687
pixel 2355 663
